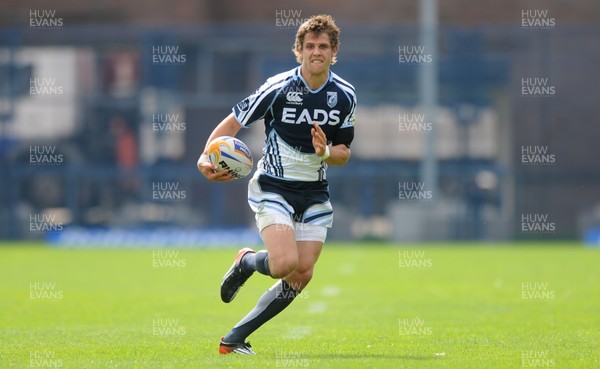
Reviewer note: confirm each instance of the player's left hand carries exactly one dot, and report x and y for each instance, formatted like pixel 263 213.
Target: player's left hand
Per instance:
pixel 319 140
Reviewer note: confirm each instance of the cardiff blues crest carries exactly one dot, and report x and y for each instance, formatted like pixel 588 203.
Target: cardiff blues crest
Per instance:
pixel 331 99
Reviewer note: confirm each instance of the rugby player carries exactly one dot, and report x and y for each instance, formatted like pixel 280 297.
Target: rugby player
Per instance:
pixel 309 124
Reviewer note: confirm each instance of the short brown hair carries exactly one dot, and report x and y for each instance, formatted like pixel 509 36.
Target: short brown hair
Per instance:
pixel 317 24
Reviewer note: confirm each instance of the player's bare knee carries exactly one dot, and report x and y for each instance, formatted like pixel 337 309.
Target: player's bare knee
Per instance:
pixel 283 266
pixel 305 277
pixel 299 280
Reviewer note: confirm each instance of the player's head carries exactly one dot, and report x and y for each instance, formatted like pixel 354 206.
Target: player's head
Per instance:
pixel 312 29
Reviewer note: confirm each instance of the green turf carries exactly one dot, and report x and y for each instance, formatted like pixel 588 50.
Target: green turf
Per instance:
pixel 367 307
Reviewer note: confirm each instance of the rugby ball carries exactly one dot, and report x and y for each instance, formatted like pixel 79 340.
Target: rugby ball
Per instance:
pixel 231 154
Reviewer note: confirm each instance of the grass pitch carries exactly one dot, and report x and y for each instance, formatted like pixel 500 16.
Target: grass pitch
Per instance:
pixel 368 306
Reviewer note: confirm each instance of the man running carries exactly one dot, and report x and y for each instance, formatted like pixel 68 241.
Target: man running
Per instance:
pixel 309 124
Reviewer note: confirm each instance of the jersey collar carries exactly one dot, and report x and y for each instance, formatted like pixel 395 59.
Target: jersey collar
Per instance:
pixel 299 75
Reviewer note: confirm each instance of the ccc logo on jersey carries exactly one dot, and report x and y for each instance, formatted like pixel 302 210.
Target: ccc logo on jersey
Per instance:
pixel 294 97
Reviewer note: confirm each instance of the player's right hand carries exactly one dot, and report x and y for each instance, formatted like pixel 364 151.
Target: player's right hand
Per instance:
pixel 209 171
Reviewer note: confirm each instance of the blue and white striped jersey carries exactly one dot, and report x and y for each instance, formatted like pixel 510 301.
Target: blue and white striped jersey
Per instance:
pixel 288 107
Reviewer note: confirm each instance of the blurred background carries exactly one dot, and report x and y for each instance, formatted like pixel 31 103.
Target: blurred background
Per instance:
pixel 475 120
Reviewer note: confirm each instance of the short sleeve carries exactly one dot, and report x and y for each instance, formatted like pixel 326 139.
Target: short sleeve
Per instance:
pixel 255 106
pixel 345 134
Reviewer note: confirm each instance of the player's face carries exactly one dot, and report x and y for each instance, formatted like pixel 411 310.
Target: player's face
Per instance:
pixel 317 53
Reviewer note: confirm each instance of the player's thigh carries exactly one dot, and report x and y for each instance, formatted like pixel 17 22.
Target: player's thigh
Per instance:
pixel 280 242
pixel 308 254
pixel 309 240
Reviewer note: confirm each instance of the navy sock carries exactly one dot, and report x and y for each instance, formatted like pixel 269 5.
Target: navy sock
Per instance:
pixel 270 304
pixel 258 262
